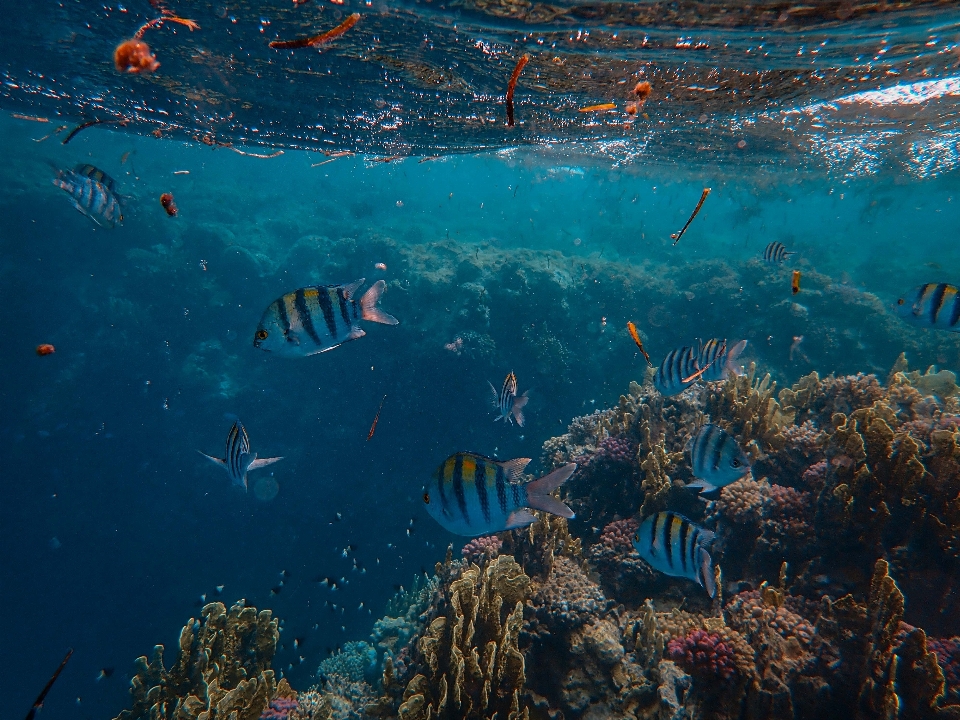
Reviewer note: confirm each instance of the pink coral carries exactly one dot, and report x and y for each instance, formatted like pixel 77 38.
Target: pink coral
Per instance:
pixel 815 476
pixel 704 654
pixel 279 709
pixel 614 450
pixel 618 535
pixel 786 502
pixel 478 548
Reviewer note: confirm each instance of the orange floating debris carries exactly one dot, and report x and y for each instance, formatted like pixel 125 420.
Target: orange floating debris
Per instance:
pixel 795 282
pixel 134 56
pixel 32 118
pixel 512 85
pixel 642 90
pixel 45 349
pixel 318 39
pixel 676 236
pixel 168 204
pixel 597 108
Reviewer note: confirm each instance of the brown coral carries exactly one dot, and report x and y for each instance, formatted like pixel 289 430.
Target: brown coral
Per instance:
pixel 222 669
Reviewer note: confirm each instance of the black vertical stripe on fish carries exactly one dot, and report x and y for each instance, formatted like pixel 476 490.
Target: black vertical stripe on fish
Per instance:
pixel 344 311
pixel 480 480
pixel 936 301
pixel 300 303
pixel 501 490
pixel 665 538
pixel 515 489
pixel 326 307
pixel 282 314
pixel 684 531
pixel 458 488
pixel 717 439
pixel 692 548
pixel 955 312
pixel 653 534
pixel 443 496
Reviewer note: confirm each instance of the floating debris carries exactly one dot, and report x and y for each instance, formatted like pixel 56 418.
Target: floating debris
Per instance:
pixel 512 85
pixel 318 40
pixel 676 236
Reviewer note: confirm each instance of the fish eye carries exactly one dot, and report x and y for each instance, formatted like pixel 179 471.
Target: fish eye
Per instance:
pixel 426 498
pixel 736 462
pixel 900 301
pixel 262 334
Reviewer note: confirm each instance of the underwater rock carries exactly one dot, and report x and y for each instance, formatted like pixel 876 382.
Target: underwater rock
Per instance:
pixel 222 669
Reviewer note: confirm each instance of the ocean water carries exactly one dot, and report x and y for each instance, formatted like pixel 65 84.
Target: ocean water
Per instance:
pixel 524 251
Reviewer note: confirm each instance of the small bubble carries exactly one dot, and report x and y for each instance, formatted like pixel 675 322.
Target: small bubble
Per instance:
pixel 577 241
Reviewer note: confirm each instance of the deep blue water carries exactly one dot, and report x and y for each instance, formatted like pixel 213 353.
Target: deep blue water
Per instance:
pixel 112 526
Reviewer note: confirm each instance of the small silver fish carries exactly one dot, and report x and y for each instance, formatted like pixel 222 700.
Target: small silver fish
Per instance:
pixel 94 194
pixel 507 402
pixel 677 547
pixel 716 458
pixel 238 460
pixel 775 253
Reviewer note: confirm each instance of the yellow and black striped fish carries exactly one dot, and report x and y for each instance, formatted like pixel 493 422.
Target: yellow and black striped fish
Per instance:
pixel 315 319
pixel 94 193
pixel 934 305
pixel 473 495
pixel 675 546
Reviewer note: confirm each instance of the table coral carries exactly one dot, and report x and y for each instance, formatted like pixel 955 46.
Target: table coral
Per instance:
pixel 222 668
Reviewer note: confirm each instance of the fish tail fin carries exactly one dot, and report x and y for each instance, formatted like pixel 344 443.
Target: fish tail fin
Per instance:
pixel 368 305
pixel 538 491
pixel 218 461
pixel 518 403
pixel 731 366
pixel 706 572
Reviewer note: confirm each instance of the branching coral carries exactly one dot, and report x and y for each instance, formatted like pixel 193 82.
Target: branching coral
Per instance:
pixel 222 669
pixel 703 654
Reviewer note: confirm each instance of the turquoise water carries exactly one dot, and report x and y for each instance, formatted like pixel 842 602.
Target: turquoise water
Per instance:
pixel 535 254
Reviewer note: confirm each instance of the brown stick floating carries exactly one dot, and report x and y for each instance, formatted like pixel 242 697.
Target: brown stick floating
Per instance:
pixel 373 428
pixel 318 39
pixel 512 85
pixel 278 153
pixel 38 703
pixel 676 236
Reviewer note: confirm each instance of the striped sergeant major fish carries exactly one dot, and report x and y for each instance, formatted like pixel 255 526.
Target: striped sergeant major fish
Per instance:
pixel 718 361
pixel 318 318
pixel 717 459
pixel 237 459
pixel 775 253
pixel 472 495
pixel 678 371
pixel 506 401
pixel 94 193
pixel 933 305
pixel 675 546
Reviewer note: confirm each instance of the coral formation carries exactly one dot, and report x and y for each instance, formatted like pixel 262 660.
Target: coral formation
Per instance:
pixel 487 546
pixel 703 654
pixel 222 669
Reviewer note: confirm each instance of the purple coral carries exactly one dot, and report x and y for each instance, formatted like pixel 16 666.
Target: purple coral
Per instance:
pixel 947 651
pixel 786 502
pixel 704 654
pixel 481 547
pixel 815 476
pixel 279 708
pixel 614 450
pixel 618 535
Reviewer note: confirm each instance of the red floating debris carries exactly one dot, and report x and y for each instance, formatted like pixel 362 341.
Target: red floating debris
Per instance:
pixel 45 349
pixel 168 204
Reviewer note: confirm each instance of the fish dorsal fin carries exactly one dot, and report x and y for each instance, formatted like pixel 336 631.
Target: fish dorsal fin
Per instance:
pixel 96 174
pixel 349 290
pixel 514 468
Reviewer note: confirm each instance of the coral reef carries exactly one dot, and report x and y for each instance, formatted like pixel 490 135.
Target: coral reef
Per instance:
pixel 356 662
pixel 222 669
pixel 485 547
pixel 703 654
pixel 280 708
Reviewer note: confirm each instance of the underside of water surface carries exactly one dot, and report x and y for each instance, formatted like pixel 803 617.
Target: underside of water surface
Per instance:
pixel 779 173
